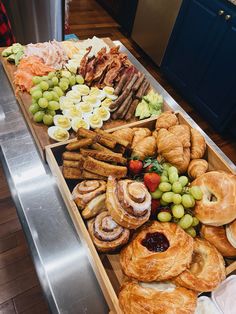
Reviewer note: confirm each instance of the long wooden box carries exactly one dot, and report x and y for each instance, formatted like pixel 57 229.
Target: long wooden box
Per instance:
pixel 106 267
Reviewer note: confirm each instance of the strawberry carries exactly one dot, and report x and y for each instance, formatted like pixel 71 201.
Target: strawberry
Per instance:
pixel 151 180
pixel 135 166
pixel 154 208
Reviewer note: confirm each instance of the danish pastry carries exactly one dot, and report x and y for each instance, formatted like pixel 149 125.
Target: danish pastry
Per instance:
pixel 106 234
pixel 231 233
pixel 156 298
pixel 128 202
pixel 159 252
pixel 206 270
pixel 86 190
pixel 197 167
pixel 218 204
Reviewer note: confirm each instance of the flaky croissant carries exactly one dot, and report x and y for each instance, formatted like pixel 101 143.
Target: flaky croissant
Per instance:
pixel 182 131
pixel 145 148
pixel 183 166
pixel 139 134
pixel 170 147
pixel 126 134
pixel 197 167
pixel 166 120
pixel 198 144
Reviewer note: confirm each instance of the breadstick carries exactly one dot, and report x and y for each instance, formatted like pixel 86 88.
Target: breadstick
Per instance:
pixel 114 157
pixel 76 145
pixel 71 173
pixel 71 164
pixel 72 156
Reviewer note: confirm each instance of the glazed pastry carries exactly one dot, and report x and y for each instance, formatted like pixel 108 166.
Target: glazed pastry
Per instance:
pixel 183 166
pixel 170 147
pixel 139 134
pixel 159 252
pixel 126 134
pixel 182 131
pixel 166 120
pixel 94 207
pixel 198 144
pixel 156 298
pixel 217 237
pixel 86 190
pixel 206 270
pixel 147 147
pixel 197 167
pixel 106 234
pixel 128 202
pixel 231 233
pixel 218 204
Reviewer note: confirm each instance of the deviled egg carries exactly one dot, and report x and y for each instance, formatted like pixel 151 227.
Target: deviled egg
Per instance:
pixel 74 96
pixel 98 93
pixel 81 88
pixel 58 134
pixel 84 107
pixel 103 113
pixel 72 113
pixel 106 103
pixel 109 91
pixel 95 121
pixel 65 103
pixel 79 123
pixel 62 121
pixel 93 100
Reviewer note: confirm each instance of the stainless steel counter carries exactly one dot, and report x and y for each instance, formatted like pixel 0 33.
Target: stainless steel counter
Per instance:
pixel 60 257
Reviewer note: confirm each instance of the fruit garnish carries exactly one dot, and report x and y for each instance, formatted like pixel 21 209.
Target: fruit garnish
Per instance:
pixel 152 165
pixel 151 180
pixel 156 242
pixel 135 166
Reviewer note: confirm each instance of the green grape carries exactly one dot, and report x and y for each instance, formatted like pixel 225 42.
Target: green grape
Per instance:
pixel 195 222
pixel 167 197
pixel 51 112
pixel 192 199
pixel 177 187
pixel 34 101
pixel 186 221
pixel 55 81
pixel 164 216
pixel 163 203
pixel 166 166
pixel 65 74
pixel 34 108
pixel 48 95
pixel 55 96
pixel 44 78
pixel 72 80
pixel 164 179
pixel 191 231
pixel 35 88
pixel 50 83
pixel 51 75
pixel 164 186
pixel 64 86
pixel 44 85
pixel 43 103
pixel 165 173
pixel 187 201
pixel 38 116
pixel 173 177
pixel 79 79
pixel 196 192
pixel 183 180
pixel 156 194
pixel 58 90
pixel 36 80
pixel 47 119
pixel 53 105
pixel 177 199
pixel 178 211
pixel 64 79
pixel 37 94
pixel 172 169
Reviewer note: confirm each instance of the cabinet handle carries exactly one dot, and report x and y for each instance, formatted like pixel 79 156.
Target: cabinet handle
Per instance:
pixel 221 12
pixel 227 17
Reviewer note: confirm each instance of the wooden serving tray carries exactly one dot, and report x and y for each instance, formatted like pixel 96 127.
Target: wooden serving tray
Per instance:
pixel 106 266
pixel 39 130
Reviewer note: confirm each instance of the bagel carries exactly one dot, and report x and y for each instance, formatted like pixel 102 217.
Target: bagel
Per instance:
pixel 231 233
pixel 218 204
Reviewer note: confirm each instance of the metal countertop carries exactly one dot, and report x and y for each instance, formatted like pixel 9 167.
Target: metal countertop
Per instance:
pixel 60 258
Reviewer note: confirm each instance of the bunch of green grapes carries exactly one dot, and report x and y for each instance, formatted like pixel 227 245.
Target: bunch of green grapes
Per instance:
pixel 174 192
pixel 46 93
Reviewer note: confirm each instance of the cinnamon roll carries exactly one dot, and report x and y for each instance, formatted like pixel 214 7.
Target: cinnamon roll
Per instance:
pixel 86 190
pixel 106 234
pixel 128 202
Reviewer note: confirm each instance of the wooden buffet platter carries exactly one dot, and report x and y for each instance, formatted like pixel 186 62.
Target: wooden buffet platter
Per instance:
pixel 39 130
pixel 106 266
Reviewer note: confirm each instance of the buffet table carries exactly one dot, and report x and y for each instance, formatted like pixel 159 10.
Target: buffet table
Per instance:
pixel 61 259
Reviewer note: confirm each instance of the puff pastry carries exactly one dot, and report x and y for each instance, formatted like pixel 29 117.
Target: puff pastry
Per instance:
pixel 198 144
pixel 147 147
pixel 166 120
pixel 197 167
pixel 182 131
pixel 128 202
pixel 126 134
pixel 139 134
pixel 207 268
pixel 106 234
pixel 159 252
pixel 86 190
pixel 156 298
pixel 218 205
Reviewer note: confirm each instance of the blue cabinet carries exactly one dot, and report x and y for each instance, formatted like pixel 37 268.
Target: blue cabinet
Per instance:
pixel 200 59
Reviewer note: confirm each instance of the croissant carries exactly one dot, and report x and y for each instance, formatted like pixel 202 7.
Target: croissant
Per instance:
pixel 154 133
pixel 170 147
pixel 139 134
pixel 166 120
pixel 125 134
pixel 197 167
pixel 147 147
pixel 182 131
pixel 198 144
pixel 183 166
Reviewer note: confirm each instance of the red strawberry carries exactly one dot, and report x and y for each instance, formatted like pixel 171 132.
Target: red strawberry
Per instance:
pixel 135 166
pixel 148 168
pixel 151 180
pixel 154 208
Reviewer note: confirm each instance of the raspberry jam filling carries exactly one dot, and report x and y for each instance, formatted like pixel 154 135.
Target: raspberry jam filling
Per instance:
pixel 156 242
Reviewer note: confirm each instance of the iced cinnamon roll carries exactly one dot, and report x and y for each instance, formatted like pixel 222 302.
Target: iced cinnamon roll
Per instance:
pixel 128 202
pixel 106 234
pixel 87 190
